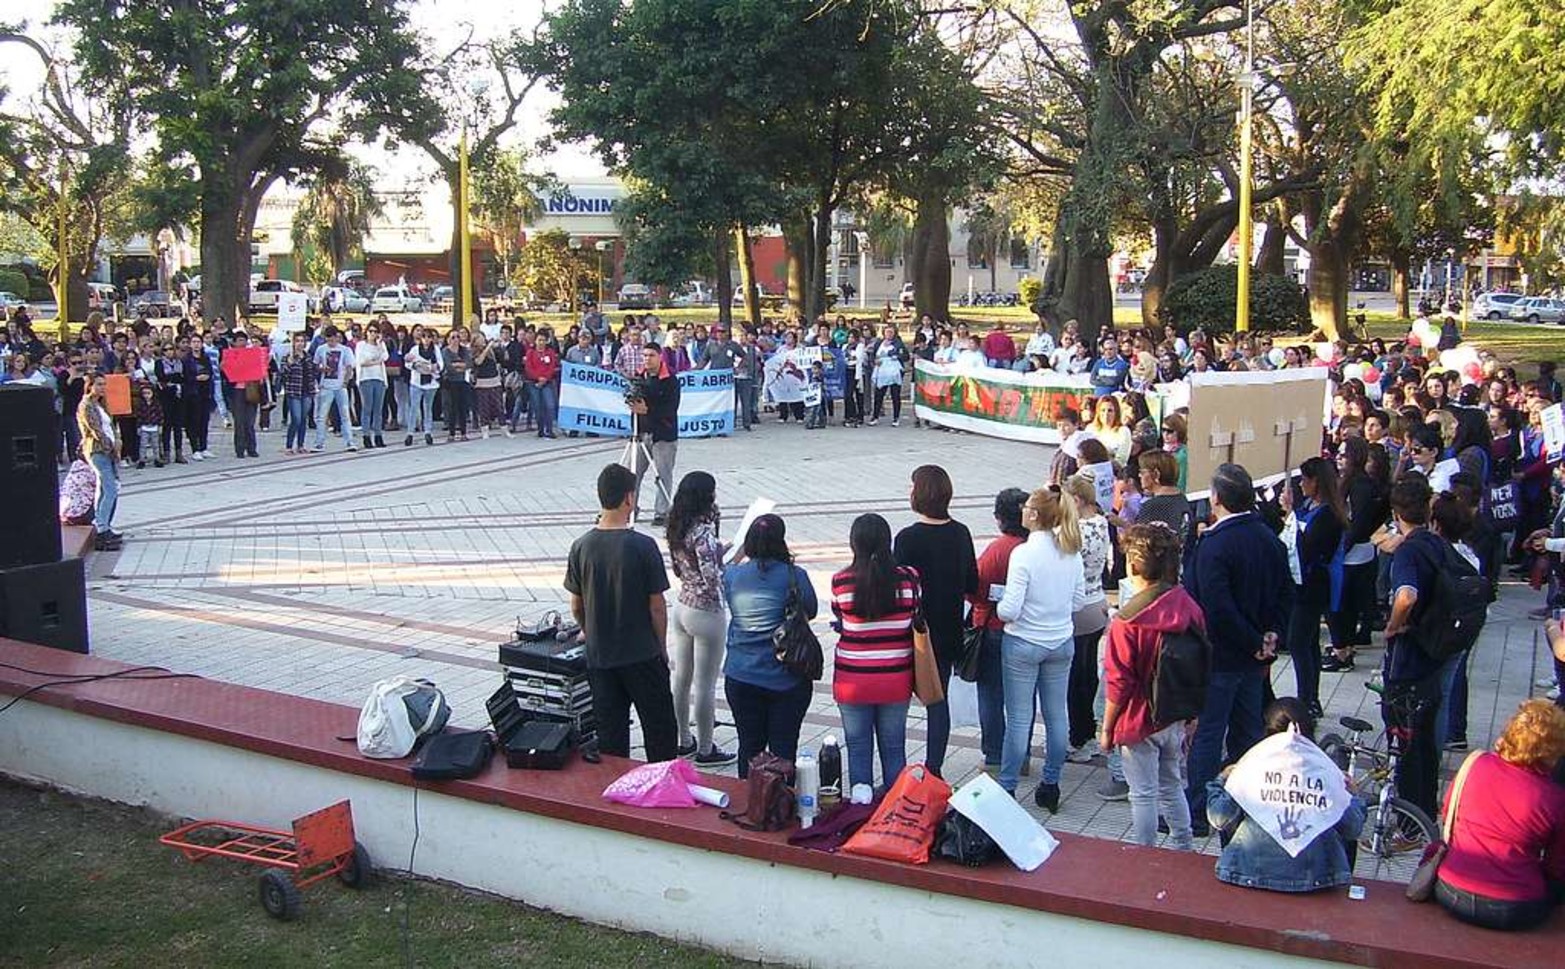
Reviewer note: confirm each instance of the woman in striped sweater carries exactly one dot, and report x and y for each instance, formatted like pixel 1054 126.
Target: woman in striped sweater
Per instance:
pixel 874 600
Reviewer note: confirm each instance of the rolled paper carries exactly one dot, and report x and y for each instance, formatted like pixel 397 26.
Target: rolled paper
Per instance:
pixel 708 795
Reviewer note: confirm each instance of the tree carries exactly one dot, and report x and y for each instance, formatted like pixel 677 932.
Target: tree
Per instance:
pixel 63 140
pixel 335 215
pixel 552 269
pixel 234 92
pixel 504 203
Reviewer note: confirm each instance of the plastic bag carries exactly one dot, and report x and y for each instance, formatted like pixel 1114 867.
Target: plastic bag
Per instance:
pixel 903 828
pixel 1026 842
pixel 662 785
pixel 962 700
pixel 399 711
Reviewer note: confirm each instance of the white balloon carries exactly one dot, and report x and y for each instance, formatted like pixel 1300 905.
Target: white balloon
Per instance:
pixel 1276 356
pixel 1326 351
pixel 1353 371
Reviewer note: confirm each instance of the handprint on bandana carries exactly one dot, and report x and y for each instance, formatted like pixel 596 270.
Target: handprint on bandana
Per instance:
pixel 1288 824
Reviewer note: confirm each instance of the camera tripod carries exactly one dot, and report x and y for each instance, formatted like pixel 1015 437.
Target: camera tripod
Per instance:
pixel 636 450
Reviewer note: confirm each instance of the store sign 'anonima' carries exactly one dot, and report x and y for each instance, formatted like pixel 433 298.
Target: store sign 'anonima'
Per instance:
pixel 577 205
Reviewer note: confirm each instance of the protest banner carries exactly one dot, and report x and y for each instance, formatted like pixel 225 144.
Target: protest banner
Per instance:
pixel 1291 788
pixel 292 308
pixel 592 400
pixel 1553 418
pixel 1269 421
pixel 999 403
pixel 117 394
pixel 244 364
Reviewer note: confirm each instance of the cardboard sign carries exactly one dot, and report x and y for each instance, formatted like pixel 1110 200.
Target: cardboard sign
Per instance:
pixel 243 365
pixel 1554 428
pixel 117 397
pixel 291 311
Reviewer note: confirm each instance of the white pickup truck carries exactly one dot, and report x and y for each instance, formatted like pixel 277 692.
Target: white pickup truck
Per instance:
pixel 264 293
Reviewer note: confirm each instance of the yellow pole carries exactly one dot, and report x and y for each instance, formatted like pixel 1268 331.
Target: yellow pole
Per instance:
pixel 467 240
pixel 1246 176
pixel 65 265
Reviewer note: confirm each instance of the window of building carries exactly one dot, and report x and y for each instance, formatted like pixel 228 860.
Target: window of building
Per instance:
pixel 1021 254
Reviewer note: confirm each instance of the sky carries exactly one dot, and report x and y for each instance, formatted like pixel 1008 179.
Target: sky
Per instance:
pixel 443 22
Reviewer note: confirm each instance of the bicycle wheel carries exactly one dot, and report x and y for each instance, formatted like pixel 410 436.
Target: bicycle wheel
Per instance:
pixel 1334 746
pixel 1391 848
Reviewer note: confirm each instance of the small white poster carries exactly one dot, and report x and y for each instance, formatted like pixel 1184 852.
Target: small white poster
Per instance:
pixel 1289 787
pixel 758 507
pixel 1554 428
pixel 291 311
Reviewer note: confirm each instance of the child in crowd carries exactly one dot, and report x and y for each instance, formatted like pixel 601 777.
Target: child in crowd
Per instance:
pixel 149 426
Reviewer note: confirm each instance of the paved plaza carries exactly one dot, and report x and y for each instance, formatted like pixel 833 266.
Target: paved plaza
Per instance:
pixel 319 575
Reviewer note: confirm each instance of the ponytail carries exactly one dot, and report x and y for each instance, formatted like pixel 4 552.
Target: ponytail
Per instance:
pixel 1059 517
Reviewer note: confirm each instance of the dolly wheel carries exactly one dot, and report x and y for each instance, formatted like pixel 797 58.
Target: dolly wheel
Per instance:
pixel 356 873
pixel 279 895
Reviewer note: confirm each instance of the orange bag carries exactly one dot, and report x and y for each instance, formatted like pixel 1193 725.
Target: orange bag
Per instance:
pixel 117 398
pixel 903 828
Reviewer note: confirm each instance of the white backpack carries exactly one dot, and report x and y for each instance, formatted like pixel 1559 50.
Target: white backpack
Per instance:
pixel 398 712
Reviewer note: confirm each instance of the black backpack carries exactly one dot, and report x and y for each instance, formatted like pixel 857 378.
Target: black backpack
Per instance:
pixel 1453 616
pixel 1180 676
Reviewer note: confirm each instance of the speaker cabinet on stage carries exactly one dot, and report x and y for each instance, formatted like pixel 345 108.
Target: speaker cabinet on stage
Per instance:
pixel 45 604
pixel 29 475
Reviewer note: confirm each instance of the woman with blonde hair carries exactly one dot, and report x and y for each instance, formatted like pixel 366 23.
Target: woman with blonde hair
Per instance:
pixel 1505 864
pixel 1110 428
pixel 1046 585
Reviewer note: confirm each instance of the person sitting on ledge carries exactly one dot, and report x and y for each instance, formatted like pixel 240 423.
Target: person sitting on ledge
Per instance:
pixel 1253 856
pixel 1505 867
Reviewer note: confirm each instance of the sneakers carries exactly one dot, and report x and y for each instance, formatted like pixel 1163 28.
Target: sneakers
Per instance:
pixel 686 750
pixel 658 521
pixel 1456 743
pixel 380 441
pixel 318 449
pixel 352 447
pixel 106 542
pixel 1545 683
pixel 179 458
pixel 1047 796
pixel 408 442
pixel 1083 754
pixel 716 757
pixel 896 423
pixel 1112 790
pixel 196 456
pixel 141 465
pixel 1332 664
pixel 509 432
pixel 484 432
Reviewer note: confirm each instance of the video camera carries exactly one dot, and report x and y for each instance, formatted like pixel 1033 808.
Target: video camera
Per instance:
pixel 636 388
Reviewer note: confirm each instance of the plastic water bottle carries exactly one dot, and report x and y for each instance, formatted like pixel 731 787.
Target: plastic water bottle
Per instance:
pixel 831 771
pixel 807 782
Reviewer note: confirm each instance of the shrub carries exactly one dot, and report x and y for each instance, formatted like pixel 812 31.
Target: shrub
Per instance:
pixel 1029 289
pixel 1209 299
pixel 15 281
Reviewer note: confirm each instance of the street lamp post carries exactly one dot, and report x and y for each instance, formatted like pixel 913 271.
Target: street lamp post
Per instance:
pixel 602 246
pixel 863 238
pixel 1246 171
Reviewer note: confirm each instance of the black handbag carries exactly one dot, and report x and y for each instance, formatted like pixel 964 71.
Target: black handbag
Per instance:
pixel 972 648
pixel 793 641
pixel 454 756
pixel 962 841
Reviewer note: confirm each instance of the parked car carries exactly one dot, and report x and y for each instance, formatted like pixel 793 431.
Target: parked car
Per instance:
pixel 693 293
pixel 264 293
pixel 340 299
pixel 1494 306
pixel 395 299
pixel 9 301
pixel 441 299
pixel 635 296
pixel 101 296
pixel 1539 309
pixel 154 303
pixel 760 294
pixel 907 296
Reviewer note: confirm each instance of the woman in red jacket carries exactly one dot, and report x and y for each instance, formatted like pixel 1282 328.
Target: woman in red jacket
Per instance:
pixel 1506 865
pixel 542 369
pixel 993 567
pixel 1153 753
pixel 874 600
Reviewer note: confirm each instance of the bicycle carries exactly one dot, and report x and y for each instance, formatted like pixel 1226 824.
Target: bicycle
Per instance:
pixel 1396 831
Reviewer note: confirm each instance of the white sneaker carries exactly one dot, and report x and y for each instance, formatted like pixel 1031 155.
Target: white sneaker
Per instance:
pixel 1084 753
pixel 896 423
pixel 484 432
pixel 1553 694
pixel 1545 683
pixel 228 423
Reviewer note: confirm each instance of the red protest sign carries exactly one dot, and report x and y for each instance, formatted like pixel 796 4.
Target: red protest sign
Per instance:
pixel 244 364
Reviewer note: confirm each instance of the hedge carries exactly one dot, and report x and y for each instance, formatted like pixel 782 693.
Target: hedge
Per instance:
pixel 1209 299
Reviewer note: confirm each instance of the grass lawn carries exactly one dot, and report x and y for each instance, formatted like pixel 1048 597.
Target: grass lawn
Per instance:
pixel 87 884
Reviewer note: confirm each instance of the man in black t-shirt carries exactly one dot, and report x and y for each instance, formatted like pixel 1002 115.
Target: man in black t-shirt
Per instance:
pixel 658 422
pixel 616 580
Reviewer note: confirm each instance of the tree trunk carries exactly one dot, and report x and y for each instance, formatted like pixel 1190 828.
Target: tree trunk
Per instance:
pixel 1088 297
pixel 225 256
pixel 1270 261
pixel 796 233
pixel 723 262
pixel 1401 270
pixel 1165 234
pixel 1328 287
pixel 930 270
pixel 752 305
pixel 820 254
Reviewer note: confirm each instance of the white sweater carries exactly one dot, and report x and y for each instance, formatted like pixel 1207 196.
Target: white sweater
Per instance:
pixel 370 361
pixel 1043 588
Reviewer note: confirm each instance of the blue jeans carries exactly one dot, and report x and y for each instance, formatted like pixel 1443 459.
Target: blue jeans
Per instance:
pixel 372 409
pixel 1452 722
pixel 324 398
pixel 744 403
pixel 1232 711
pixel 298 420
pixel 541 399
pixel 991 699
pixel 1031 668
pixel 108 491
pixel 865 725
pixel 421 408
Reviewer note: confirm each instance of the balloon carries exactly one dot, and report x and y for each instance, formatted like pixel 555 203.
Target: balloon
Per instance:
pixel 1325 352
pixel 1276 356
pixel 1473 372
pixel 1353 371
pixel 1424 332
pixel 1414 341
pixel 1371 375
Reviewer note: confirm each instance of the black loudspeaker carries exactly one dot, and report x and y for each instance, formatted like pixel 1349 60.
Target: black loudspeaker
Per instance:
pixel 29 476
pixel 45 604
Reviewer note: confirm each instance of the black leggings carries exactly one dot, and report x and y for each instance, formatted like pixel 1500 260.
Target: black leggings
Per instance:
pixel 1358 604
pixel 173 423
pixel 1082 689
pixel 198 419
pixel 896 402
pixel 456 406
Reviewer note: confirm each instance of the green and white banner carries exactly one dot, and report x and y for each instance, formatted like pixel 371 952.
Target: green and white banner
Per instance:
pixel 1000 403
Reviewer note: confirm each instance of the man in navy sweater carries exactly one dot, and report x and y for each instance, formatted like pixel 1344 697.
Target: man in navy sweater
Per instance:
pixel 1239 574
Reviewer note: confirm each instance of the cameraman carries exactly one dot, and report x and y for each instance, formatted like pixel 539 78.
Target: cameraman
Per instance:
pixel 654 399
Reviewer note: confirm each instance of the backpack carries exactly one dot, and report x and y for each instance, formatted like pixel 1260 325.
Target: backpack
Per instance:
pixel 769 804
pixel 1450 621
pixel 77 493
pixel 1180 676
pixel 399 712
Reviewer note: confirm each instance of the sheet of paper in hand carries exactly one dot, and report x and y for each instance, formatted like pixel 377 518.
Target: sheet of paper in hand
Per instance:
pixel 1290 788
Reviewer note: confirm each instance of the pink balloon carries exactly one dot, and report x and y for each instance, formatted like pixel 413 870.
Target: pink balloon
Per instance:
pixel 1372 376
pixel 1473 370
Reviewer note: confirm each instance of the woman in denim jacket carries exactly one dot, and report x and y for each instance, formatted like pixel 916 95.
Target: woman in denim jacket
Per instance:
pixel 1253 859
